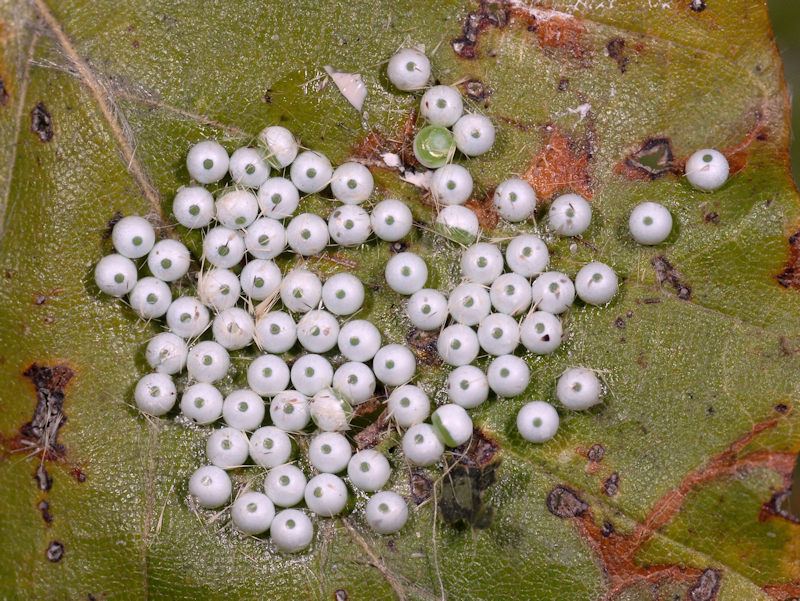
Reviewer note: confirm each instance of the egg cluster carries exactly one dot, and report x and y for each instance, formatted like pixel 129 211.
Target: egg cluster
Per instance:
pixel 507 298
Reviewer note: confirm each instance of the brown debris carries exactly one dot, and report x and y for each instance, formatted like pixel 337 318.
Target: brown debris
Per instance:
pixel 423 344
pixel 55 551
pixel 667 274
pixel 707 586
pixel 561 165
pixel 563 502
pixel 48 417
pixel 787 591
pixel 42 122
pixel 373 433
pixel 616 51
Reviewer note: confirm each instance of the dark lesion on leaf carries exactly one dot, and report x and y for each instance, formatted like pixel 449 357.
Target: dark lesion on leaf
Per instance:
pixel 3 92
pixel 697 5
pixel 790 276
pixel 44 481
pixel 468 475
pixel 653 159
pixel 55 551
pixel 666 273
pixel 477 91
pixel 616 52
pixel 44 509
pixel 48 416
pixel 611 484
pixel 563 502
pixel 706 587
pixel 42 122
pixel 489 14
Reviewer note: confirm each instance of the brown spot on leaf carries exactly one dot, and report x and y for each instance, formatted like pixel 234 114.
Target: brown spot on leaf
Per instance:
pixel 485 211
pixel 563 85
pixel 79 475
pixel 42 122
pixel 55 551
pixel 490 14
pixel 563 502
pixel 561 165
pixel 368 150
pixel 616 51
pixel 50 383
pixel 476 91
pixel 706 587
pixel 652 160
pixel 563 34
pixel 608 529
pixel 3 92
pixel 790 276
pixel 611 485
pixel 423 343
pixel 711 217
pixel 44 509
pixel 596 453
pixel 667 274
pixel 421 487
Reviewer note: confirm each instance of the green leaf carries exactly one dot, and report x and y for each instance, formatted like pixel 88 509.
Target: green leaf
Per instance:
pixel 671 488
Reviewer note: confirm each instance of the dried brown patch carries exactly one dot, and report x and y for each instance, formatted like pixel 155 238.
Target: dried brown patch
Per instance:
pixel 480 451
pixel 48 417
pixel 565 35
pixel 42 122
pixel 485 211
pixel 421 486
pixel 368 149
pixel 652 160
pixel 561 165
pixel 373 433
pixel 667 274
pixel 489 14
pixel 787 591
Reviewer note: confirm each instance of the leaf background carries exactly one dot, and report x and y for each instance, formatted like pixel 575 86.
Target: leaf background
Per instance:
pixel 700 411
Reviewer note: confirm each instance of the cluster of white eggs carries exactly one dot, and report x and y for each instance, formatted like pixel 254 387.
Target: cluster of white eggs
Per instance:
pixel 506 298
